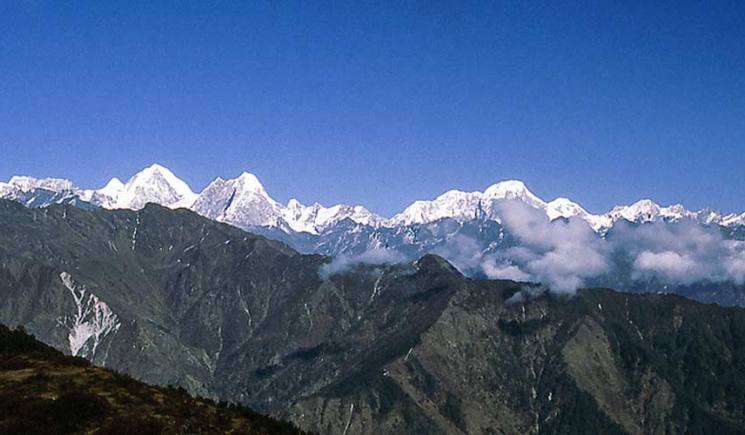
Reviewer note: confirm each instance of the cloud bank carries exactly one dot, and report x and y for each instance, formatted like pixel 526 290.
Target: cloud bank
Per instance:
pixel 374 256
pixel 562 253
pixel 681 253
pixel 566 253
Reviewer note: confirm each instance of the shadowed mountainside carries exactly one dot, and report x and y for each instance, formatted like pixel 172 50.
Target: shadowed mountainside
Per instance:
pixel 174 298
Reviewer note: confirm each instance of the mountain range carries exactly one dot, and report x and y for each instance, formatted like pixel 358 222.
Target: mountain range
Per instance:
pixel 244 202
pixel 503 232
pixel 174 298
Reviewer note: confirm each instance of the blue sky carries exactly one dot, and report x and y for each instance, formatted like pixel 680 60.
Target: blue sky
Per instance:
pixel 603 102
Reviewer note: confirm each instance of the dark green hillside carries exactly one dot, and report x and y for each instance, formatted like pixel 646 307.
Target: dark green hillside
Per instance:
pixel 597 362
pixel 45 392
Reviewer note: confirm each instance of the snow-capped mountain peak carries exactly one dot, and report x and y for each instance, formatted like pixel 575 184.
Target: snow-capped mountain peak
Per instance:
pixel 708 216
pixel 39 192
pixel 676 212
pixel 564 208
pixel 644 210
pixel 155 184
pixel 241 201
pixel 302 218
pixel 464 206
pixel 112 188
pixel 513 189
pixel 26 184
pixel 733 219
pixel 6 190
pixel 647 210
pixel 316 218
pixel 105 196
pixel 294 204
pixel 454 204
pixel 244 202
pixel 506 189
pixel 249 183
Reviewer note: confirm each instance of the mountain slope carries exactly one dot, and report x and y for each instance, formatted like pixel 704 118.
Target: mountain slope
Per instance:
pixel 601 362
pixel 631 248
pixel 337 347
pixel 240 200
pixel 45 392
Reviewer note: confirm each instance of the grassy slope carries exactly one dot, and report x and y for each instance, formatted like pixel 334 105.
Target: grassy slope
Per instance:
pixel 44 391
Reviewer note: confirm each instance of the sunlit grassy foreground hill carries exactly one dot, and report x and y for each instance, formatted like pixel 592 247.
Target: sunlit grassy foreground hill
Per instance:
pixel 43 391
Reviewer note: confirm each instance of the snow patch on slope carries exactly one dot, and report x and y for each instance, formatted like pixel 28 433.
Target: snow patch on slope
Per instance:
pixel 92 321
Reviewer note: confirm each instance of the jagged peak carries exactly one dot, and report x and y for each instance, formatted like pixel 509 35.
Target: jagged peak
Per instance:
pixel 26 183
pixel 150 172
pixel 157 183
pixel 647 210
pixel 112 188
pixel 148 186
pixel 249 182
pixel 733 219
pixel 641 206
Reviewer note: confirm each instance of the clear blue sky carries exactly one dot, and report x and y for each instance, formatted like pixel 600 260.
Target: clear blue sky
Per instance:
pixel 383 102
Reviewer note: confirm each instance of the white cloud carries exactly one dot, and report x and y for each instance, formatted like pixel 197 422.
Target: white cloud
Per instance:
pixel 375 256
pixel 681 253
pixel 463 252
pixel 562 253
pixel 565 254
pixel 504 271
pixel 670 265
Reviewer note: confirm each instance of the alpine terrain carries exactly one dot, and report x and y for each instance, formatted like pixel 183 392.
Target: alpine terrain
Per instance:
pixel 45 392
pixel 340 347
pixel 484 234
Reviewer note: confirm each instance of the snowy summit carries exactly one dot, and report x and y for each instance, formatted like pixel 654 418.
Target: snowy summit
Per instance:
pixel 243 201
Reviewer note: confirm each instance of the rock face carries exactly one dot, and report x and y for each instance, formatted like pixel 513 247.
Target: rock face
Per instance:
pixel 412 348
